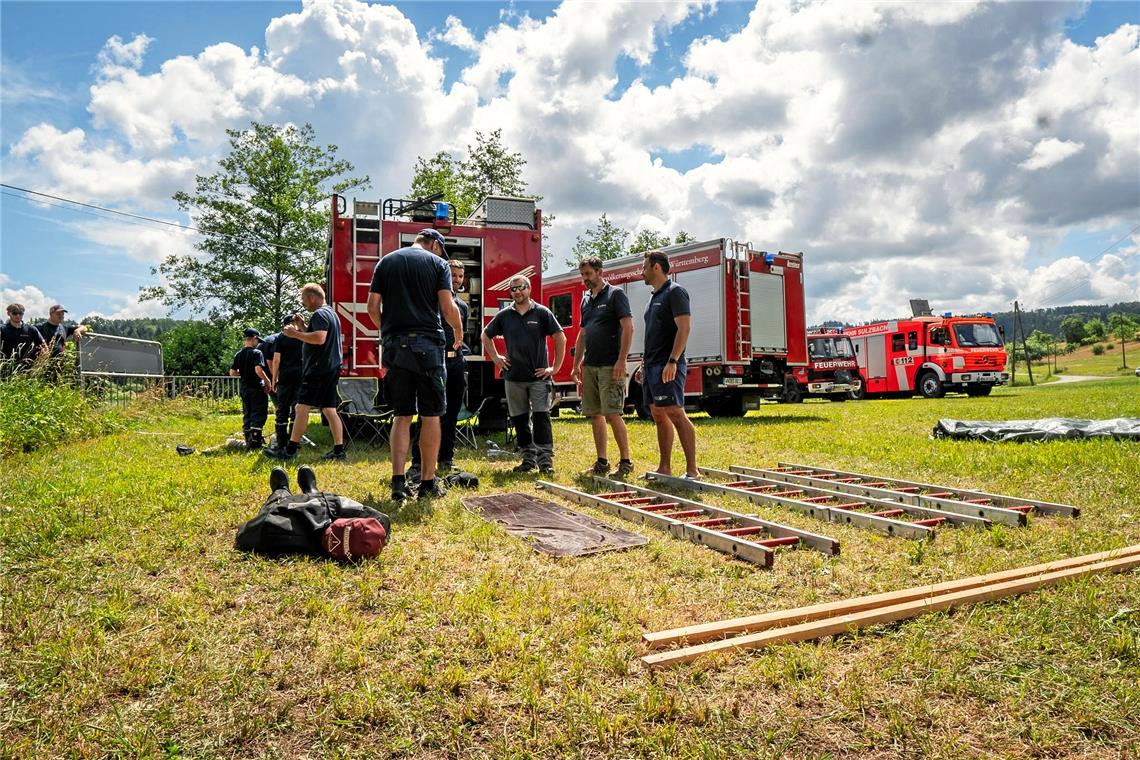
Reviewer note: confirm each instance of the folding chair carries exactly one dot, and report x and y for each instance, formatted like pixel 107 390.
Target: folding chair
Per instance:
pixel 467 424
pixel 357 410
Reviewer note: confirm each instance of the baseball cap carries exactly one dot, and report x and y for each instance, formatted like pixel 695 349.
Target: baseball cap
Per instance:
pixel 352 538
pixel 287 320
pixel 251 332
pixel 57 307
pixel 436 236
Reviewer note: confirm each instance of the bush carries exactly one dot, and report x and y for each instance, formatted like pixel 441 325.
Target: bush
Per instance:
pixel 1098 349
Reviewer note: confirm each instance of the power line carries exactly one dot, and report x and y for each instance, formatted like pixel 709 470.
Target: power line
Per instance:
pixel 1051 300
pixel 144 218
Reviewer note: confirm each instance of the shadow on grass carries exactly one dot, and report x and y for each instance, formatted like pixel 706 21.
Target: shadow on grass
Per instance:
pixel 721 421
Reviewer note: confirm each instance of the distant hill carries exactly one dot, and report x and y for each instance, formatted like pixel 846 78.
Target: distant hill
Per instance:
pixel 1045 320
pixel 144 328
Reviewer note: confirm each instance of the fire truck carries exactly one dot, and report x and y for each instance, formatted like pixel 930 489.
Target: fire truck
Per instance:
pixel 748 325
pixel 501 239
pixel 831 371
pixel 929 354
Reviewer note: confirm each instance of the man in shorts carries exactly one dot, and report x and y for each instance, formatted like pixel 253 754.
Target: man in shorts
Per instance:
pixel 599 362
pixel 667 325
pixel 525 326
pixel 321 359
pixel 411 288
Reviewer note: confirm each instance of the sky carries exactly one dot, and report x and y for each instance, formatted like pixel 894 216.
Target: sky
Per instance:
pixel 971 154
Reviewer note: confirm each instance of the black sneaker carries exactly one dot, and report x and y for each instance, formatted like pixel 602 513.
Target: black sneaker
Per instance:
pixel 400 489
pixel 431 489
pixel 546 469
pixel 413 474
pixel 600 467
pixel 283 454
pixel 335 456
pixel 524 467
pixel 279 479
pixel 306 479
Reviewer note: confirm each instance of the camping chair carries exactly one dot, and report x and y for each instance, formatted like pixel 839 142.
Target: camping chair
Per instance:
pixel 357 409
pixel 467 424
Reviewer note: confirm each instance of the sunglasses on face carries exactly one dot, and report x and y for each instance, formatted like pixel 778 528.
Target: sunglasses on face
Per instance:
pixel 16 313
pixel 517 288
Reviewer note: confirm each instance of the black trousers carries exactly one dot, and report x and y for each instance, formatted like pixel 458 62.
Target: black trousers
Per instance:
pixel 286 402
pixel 455 390
pixel 254 407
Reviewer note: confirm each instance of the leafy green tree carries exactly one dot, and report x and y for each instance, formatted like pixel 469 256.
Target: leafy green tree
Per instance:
pixel 199 348
pixel 1073 329
pixel 266 217
pixel 1095 329
pixel 605 240
pixel 683 237
pixel 490 168
pixel 1124 328
pixel 648 240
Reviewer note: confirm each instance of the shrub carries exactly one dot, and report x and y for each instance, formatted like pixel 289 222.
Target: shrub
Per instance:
pixel 1098 349
pixel 37 412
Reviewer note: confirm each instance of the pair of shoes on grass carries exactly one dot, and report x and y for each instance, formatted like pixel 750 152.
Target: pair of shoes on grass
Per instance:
pixel 306 479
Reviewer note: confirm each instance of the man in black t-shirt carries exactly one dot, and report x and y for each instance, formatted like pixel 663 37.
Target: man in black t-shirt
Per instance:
pixel 667 325
pixel 249 365
pixel 321 359
pixel 604 338
pixel 285 376
pixel 19 341
pixel 56 334
pixel 411 289
pixel 525 325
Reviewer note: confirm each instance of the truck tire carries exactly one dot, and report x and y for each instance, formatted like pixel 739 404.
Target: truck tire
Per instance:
pixel 930 386
pixel 978 390
pixel 638 399
pixel 859 392
pixel 724 406
pixel 837 397
pixel 793 394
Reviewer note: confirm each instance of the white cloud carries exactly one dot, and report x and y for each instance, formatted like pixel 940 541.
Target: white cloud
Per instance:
pixel 34 300
pixel 141 243
pixel 458 35
pixel 1051 151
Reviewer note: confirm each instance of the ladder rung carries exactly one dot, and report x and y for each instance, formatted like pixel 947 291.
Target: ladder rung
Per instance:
pixel 817 499
pixel 890 513
pixel 749 531
pixel 713 521
pixel 683 513
pixel 634 501
pixel 978 501
pixel 784 541
pixel 907 489
pixel 616 494
pixel 847 505
pixel 1023 508
pixel 788 494
pixel 660 507
pixel 930 522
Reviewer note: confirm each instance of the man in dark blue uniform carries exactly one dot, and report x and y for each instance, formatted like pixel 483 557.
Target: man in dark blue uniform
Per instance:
pixel 249 365
pixel 321 359
pixel 19 341
pixel 667 325
pixel 411 288
pixel 285 377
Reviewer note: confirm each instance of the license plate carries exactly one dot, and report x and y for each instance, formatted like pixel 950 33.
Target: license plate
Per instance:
pixel 733 380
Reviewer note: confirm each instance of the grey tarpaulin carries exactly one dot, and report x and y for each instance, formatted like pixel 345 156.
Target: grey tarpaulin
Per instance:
pixel 552 528
pixel 1047 429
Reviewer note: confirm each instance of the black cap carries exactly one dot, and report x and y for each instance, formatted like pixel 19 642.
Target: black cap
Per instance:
pixel 287 320
pixel 436 236
pixel 251 332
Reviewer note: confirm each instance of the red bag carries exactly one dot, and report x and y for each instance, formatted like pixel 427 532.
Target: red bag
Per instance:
pixel 353 538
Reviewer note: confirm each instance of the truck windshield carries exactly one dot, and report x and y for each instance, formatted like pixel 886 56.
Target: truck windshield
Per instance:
pixel 975 334
pixel 831 348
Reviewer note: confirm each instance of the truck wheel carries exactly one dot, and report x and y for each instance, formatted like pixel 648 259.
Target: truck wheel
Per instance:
pixel 978 390
pixel 838 397
pixel 792 393
pixel 725 406
pixel 930 386
pixel 859 392
pixel 639 406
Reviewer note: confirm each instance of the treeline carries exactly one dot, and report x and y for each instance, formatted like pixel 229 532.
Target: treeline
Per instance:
pixel 1051 320
pixel 143 328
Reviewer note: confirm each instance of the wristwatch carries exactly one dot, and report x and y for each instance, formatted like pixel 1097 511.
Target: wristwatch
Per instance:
pixel 672 360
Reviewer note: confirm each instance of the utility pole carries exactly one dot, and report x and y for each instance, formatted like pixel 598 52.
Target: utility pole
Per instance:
pixel 1024 346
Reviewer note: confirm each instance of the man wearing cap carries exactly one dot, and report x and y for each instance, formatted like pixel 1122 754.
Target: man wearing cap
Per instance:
pixel 249 365
pixel 56 334
pixel 527 374
pixel 411 288
pixel 19 340
pixel 321 360
pixel 284 359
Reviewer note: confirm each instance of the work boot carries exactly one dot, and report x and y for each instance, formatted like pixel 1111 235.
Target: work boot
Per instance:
pixel 278 479
pixel 625 467
pixel 284 454
pixel 524 467
pixel 600 467
pixel 399 488
pixel 431 489
pixel 255 440
pixel 282 434
pixel 307 479
pixel 546 469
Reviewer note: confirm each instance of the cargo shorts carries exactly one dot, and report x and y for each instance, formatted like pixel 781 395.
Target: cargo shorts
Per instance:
pixel 601 394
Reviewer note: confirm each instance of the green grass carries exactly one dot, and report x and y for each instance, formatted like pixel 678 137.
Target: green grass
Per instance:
pixel 131 627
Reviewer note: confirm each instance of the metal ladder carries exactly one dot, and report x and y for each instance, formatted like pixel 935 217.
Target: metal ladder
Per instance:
pixel 927 493
pixel 741 255
pixel 702 524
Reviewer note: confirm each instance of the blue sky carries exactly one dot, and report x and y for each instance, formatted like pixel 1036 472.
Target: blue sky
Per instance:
pixel 853 132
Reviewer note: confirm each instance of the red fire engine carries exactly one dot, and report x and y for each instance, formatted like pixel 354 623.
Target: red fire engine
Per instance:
pixel 748 324
pixel 501 239
pixel 831 371
pixel 929 355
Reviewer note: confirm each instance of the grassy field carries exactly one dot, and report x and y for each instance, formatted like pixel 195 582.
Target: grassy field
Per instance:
pixel 1083 361
pixel 131 627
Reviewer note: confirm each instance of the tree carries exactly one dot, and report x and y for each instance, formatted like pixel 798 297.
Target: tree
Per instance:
pixel 683 237
pixel 265 216
pixel 606 241
pixel 648 240
pixel 199 348
pixel 1095 330
pixel 490 168
pixel 1073 329
pixel 1124 329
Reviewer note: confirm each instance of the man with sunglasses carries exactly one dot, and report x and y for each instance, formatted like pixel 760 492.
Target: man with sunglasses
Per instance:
pixel 525 326
pixel 19 340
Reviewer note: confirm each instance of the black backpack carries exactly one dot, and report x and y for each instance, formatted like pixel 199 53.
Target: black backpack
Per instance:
pixel 295 523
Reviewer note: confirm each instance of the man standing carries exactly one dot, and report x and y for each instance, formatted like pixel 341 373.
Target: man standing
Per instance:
pixel 599 362
pixel 285 379
pixel 321 359
pixel 455 362
pixel 411 288
pixel 18 340
pixel 667 325
pixel 249 365
pixel 56 334
pixel 527 373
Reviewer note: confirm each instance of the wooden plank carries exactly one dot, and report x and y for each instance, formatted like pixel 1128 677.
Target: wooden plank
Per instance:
pixel 694 634
pixel 852 622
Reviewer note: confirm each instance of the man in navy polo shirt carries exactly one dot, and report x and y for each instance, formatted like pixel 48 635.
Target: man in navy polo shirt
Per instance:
pixel 525 325
pixel 284 359
pixel 599 362
pixel 667 325
pixel 19 340
pixel 411 288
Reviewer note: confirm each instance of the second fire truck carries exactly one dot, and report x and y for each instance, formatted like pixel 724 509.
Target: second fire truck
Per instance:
pixel 831 371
